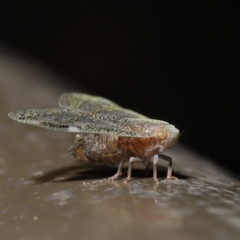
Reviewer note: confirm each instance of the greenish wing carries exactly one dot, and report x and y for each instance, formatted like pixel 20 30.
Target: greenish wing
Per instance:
pixel 72 120
pixel 93 104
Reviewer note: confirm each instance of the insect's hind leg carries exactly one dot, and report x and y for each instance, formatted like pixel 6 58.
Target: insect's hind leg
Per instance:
pixel 169 173
pixel 155 161
pixel 131 161
pixel 119 172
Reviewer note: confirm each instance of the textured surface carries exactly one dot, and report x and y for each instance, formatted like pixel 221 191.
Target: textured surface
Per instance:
pixel 46 194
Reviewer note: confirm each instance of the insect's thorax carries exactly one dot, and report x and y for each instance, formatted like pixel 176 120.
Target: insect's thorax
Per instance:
pixel 144 148
pixel 111 149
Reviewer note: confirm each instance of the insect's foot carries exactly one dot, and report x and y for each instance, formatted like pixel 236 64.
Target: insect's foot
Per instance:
pixel 172 178
pixel 126 180
pixel 156 180
pixel 114 177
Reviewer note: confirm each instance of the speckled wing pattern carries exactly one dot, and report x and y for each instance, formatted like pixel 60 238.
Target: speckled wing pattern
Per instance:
pixel 93 104
pixel 82 113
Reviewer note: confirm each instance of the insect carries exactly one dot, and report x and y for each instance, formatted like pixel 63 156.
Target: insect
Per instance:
pixel 106 132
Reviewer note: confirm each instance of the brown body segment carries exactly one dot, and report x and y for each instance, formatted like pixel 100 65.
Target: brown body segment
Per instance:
pixel 143 148
pixel 113 149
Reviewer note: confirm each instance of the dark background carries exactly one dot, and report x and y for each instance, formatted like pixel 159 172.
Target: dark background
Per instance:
pixel 174 61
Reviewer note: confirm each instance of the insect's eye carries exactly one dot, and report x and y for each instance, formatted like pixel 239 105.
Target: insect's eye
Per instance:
pixel 78 138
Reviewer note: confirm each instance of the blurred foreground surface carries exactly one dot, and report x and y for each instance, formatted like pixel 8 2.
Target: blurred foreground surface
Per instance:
pixel 46 194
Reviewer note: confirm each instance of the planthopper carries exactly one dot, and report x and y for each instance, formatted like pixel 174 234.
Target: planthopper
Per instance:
pixel 106 132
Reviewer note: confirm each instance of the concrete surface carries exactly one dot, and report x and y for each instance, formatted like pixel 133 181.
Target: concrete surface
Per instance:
pixel 46 194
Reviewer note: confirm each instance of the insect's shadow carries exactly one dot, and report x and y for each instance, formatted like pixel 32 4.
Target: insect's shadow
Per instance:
pixel 91 172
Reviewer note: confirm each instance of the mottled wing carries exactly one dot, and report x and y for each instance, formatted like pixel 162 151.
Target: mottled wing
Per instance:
pixel 72 120
pixel 85 101
pixel 93 104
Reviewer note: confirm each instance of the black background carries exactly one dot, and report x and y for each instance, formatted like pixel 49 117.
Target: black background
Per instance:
pixel 174 61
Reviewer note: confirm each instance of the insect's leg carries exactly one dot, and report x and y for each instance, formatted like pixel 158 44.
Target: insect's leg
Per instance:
pixel 169 173
pixel 131 161
pixel 147 168
pixel 155 160
pixel 119 172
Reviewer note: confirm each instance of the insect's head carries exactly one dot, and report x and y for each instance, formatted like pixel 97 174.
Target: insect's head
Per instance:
pixel 168 135
pixel 173 135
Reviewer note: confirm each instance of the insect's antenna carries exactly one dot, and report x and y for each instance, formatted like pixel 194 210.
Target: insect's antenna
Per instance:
pixel 182 133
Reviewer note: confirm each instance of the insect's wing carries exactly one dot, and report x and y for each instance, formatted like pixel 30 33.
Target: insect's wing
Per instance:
pixel 85 102
pixel 82 113
pixel 72 120
pixel 93 104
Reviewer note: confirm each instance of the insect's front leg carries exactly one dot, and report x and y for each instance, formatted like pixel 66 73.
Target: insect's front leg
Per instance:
pixel 155 161
pixel 131 161
pixel 169 173
pixel 119 172
pixel 147 169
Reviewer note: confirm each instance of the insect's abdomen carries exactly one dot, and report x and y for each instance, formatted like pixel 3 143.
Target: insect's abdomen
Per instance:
pixel 97 148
